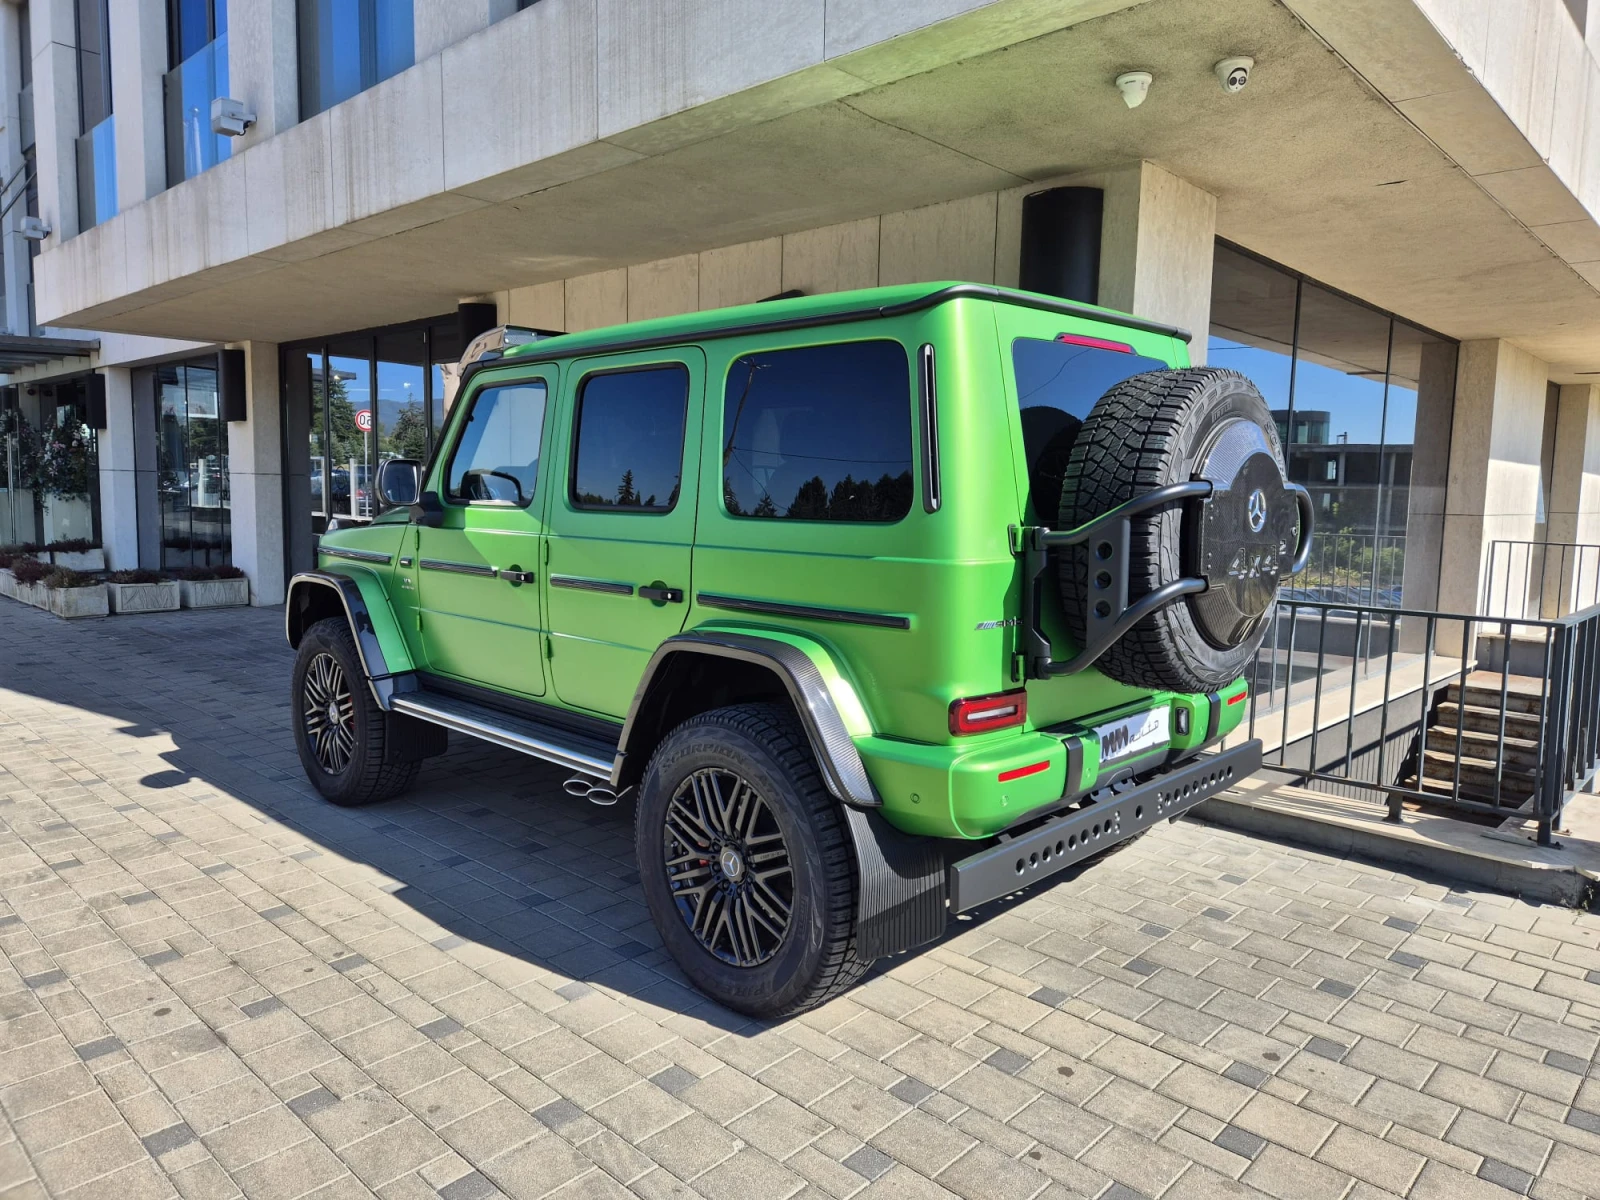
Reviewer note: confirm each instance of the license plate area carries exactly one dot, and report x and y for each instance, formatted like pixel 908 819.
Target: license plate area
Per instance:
pixel 1129 737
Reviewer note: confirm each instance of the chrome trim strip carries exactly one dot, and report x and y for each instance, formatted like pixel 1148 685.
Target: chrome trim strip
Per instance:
pixel 439 564
pixel 807 612
pixel 371 556
pixel 424 708
pixel 591 585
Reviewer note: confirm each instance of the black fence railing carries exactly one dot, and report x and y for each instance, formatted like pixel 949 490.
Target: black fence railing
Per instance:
pixel 1448 711
pixel 1538 580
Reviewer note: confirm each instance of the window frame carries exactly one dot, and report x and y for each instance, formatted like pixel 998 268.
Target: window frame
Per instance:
pixel 576 438
pixel 468 406
pixel 921 427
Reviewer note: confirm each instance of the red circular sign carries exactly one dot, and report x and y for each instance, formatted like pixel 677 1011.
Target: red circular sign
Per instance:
pixel 364 420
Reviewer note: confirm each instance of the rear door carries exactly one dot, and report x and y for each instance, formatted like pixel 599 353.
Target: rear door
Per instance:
pixel 477 572
pixel 622 522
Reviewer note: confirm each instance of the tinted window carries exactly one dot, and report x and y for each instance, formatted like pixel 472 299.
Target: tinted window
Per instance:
pixel 497 456
pixel 1057 384
pixel 819 434
pixel 630 439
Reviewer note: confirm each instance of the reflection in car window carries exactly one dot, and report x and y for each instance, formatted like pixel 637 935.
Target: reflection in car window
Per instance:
pixel 630 439
pixel 497 456
pixel 819 433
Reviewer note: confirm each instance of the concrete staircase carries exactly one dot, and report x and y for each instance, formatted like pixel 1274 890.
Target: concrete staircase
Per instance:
pixel 1466 727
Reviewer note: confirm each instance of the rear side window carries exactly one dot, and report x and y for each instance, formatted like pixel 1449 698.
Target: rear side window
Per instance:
pixel 630 439
pixel 820 433
pixel 1058 383
pixel 497 458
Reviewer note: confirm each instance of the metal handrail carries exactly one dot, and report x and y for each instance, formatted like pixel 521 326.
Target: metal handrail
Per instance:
pixel 1381 743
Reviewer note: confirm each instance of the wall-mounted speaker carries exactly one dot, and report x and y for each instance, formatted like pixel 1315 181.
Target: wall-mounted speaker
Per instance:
pixel 94 401
pixel 474 319
pixel 230 386
pixel 1061 243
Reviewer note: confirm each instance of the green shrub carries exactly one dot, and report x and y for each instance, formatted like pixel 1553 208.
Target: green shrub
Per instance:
pixel 138 576
pixel 228 572
pixel 30 570
pixel 71 545
pixel 64 577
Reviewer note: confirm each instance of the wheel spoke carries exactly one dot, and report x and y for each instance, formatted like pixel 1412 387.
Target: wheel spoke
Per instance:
pixel 728 866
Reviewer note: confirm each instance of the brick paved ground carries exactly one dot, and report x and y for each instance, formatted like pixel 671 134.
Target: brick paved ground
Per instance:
pixel 215 984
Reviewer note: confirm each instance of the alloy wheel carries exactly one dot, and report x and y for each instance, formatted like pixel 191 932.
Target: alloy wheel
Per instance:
pixel 728 867
pixel 329 713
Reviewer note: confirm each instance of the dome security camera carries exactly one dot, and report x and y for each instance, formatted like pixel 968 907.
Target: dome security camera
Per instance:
pixel 1134 86
pixel 1234 73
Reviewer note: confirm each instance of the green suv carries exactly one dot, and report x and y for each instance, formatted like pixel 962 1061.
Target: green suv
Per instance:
pixel 877 606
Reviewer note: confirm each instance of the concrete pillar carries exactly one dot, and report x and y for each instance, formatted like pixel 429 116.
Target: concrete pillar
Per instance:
pixel 441 23
pixel 1157 243
pixel 119 507
pixel 264 65
pixel 1430 474
pixel 1572 577
pixel 56 115
pixel 1493 490
pixel 255 468
pixel 139 46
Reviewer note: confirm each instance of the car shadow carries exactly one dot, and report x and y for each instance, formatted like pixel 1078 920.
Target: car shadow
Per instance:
pixel 486 845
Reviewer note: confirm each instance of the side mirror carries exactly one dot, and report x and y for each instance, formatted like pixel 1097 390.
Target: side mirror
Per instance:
pixel 398 482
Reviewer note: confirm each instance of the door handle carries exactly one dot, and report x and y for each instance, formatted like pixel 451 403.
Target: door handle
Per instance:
pixel 513 576
pixel 662 595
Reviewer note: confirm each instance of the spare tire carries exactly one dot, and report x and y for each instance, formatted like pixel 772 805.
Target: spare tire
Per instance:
pixel 1167 427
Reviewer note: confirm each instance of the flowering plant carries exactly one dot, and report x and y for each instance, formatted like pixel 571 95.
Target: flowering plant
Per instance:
pixel 64 461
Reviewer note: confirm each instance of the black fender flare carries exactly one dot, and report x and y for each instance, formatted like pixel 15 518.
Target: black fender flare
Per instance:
pixel 843 772
pixel 373 663
pixel 901 879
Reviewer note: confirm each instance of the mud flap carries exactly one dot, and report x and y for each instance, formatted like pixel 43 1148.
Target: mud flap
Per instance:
pixel 900 903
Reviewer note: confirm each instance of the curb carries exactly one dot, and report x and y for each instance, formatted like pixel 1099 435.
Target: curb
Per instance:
pixel 1554 883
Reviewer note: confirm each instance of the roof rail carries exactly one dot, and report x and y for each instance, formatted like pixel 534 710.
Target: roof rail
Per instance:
pixel 501 337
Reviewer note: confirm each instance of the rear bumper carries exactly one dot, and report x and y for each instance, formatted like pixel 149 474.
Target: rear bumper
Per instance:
pixel 1016 861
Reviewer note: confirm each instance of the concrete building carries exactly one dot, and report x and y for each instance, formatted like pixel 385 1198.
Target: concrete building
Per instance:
pixel 1393 225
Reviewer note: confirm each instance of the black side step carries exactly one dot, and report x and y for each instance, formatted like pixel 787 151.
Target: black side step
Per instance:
pixel 564 747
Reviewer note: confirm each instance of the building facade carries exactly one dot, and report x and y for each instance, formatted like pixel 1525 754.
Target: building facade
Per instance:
pixel 1391 228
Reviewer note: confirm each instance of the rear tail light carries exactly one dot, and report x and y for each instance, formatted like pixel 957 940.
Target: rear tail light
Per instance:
pixel 980 714
pixel 1239 699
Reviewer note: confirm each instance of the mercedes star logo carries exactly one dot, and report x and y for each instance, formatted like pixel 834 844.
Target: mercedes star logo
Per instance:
pixel 1258 510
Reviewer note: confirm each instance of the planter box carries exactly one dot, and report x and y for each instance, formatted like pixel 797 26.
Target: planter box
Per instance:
pixel 72 603
pixel 144 597
pixel 34 594
pixel 80 560
pixel 8 583
pixel 214 593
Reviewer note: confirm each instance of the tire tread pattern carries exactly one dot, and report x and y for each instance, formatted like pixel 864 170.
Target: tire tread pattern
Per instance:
pixel 379 777
pixel 778 730
pixel 1127 447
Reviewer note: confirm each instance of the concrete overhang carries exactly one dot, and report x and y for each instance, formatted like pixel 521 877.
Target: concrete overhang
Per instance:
pixel 555 144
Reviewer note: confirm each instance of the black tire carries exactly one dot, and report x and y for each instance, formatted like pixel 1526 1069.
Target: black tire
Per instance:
pixel 814 956
pixel 1167 427
pixel 359 766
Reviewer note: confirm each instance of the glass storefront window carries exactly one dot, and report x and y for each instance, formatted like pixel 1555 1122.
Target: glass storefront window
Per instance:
pixel 349 398
pixel 347 46
pixel 1345 383
pixel 354 401
pixel 192 467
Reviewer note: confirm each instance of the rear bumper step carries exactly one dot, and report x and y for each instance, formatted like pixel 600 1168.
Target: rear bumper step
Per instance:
pixel 1017 861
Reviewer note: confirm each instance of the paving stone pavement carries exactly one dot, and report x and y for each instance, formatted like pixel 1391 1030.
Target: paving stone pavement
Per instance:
pixel 215 984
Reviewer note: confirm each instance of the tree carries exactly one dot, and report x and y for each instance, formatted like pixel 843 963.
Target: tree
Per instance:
pixel 409 436
pixel 625 491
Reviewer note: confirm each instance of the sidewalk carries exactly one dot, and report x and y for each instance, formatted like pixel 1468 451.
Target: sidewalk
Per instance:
pixel 214 984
